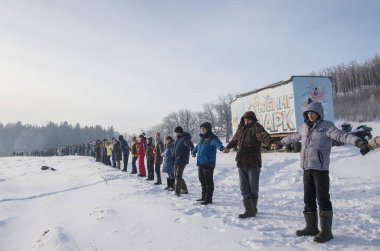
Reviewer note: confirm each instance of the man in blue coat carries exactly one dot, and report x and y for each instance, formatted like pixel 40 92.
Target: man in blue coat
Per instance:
pixel 125 150
pixel 206 159
pixel 316 136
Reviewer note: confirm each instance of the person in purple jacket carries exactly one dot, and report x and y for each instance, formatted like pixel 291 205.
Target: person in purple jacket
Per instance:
pixel 316 136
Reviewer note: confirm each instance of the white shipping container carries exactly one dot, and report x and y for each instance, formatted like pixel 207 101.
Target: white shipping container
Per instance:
pixel 279 107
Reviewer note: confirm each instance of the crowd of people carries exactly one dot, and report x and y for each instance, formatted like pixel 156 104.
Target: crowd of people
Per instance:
pixel 316 136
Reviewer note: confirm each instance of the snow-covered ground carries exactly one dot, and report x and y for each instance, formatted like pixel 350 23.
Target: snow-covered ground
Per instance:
pixel 74 208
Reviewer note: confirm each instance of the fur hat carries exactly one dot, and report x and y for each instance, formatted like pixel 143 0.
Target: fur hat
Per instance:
pixel 178 129
pixel 207 125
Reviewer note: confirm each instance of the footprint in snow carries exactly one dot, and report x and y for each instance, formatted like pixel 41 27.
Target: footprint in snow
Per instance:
pixel 179 220
pixel 100 213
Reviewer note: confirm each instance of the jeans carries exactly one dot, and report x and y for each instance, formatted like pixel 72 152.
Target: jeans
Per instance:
pixel 134 167
pixel 249 182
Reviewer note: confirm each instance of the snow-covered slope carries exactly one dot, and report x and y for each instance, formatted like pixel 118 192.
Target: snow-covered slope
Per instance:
pixel 84 205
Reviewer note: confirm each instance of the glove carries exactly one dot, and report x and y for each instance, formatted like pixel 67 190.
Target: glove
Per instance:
pixel 226 150
pixel 360 143
pixel 277 145
pixel 193 154
pixel 364 148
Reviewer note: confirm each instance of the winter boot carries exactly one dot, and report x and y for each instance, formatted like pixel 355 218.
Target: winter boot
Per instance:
pixel 172 185
pixel 207 201
pixel 311 228
pixel 203 198
pixel 254 206
pixel 325 235
pixel 168 183
pixel 249 209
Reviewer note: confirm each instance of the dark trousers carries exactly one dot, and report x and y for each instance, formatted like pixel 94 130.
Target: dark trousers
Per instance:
pixel 249 178
pixel 113 159
pixel 150 167
pixel 180 183
pixel 125 160
pixel 316 186
pixel 157 168
pixel 206 177
pixel 134 167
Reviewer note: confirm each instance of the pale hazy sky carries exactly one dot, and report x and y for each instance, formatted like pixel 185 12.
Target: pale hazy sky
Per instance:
pixel 130 63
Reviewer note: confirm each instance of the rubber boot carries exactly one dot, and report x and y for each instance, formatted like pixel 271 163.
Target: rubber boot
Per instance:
pixel 249 209
pixel 311 228
pixel 325 235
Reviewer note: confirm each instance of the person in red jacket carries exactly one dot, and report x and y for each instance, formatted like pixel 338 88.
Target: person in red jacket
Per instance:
pixel 141 153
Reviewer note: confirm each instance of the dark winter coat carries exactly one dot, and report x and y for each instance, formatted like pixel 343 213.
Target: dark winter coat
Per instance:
pixel 182 148
pixel 118 151
pixel 150 151
pixel 206 149
pixel 124 146
pixel 316 139
pixel 168 165
pixel 248 140
pixel 159 149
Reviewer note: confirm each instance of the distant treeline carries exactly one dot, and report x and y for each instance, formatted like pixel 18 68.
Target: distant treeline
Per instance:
pixel 356 88
pixel 16 137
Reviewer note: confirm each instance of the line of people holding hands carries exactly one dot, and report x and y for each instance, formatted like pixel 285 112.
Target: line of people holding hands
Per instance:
pixel 316 136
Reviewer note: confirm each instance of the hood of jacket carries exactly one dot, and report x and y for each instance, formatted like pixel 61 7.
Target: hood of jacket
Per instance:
pixel 248 115
pixel 314 107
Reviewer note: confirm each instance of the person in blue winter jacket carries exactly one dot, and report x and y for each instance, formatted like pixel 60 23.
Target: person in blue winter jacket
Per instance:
pixel 316 136
pixel 205 151
pixel 125 149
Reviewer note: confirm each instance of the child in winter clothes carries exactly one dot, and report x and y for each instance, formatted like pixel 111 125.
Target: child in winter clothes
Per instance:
pixel 206 160
pixel 150 158
pixel 168 165
pixel 141 153
pixel 135 155
pixel 316 136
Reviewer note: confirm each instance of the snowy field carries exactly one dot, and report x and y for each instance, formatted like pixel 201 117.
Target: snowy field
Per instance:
pixel 84 205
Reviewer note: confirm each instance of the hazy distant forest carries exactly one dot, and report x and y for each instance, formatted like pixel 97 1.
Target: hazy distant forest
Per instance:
pixel 356 89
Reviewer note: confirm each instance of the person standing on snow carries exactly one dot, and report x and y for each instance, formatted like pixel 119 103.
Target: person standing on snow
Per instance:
pixel 205 151
pixel 150 158
pixel 141 153
pixel 135 155
pixel 182 148
pixel 168 165
pixel 125 150
pixel 316 136
pixel 158 149
pixel 248 139
pixel 118 153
